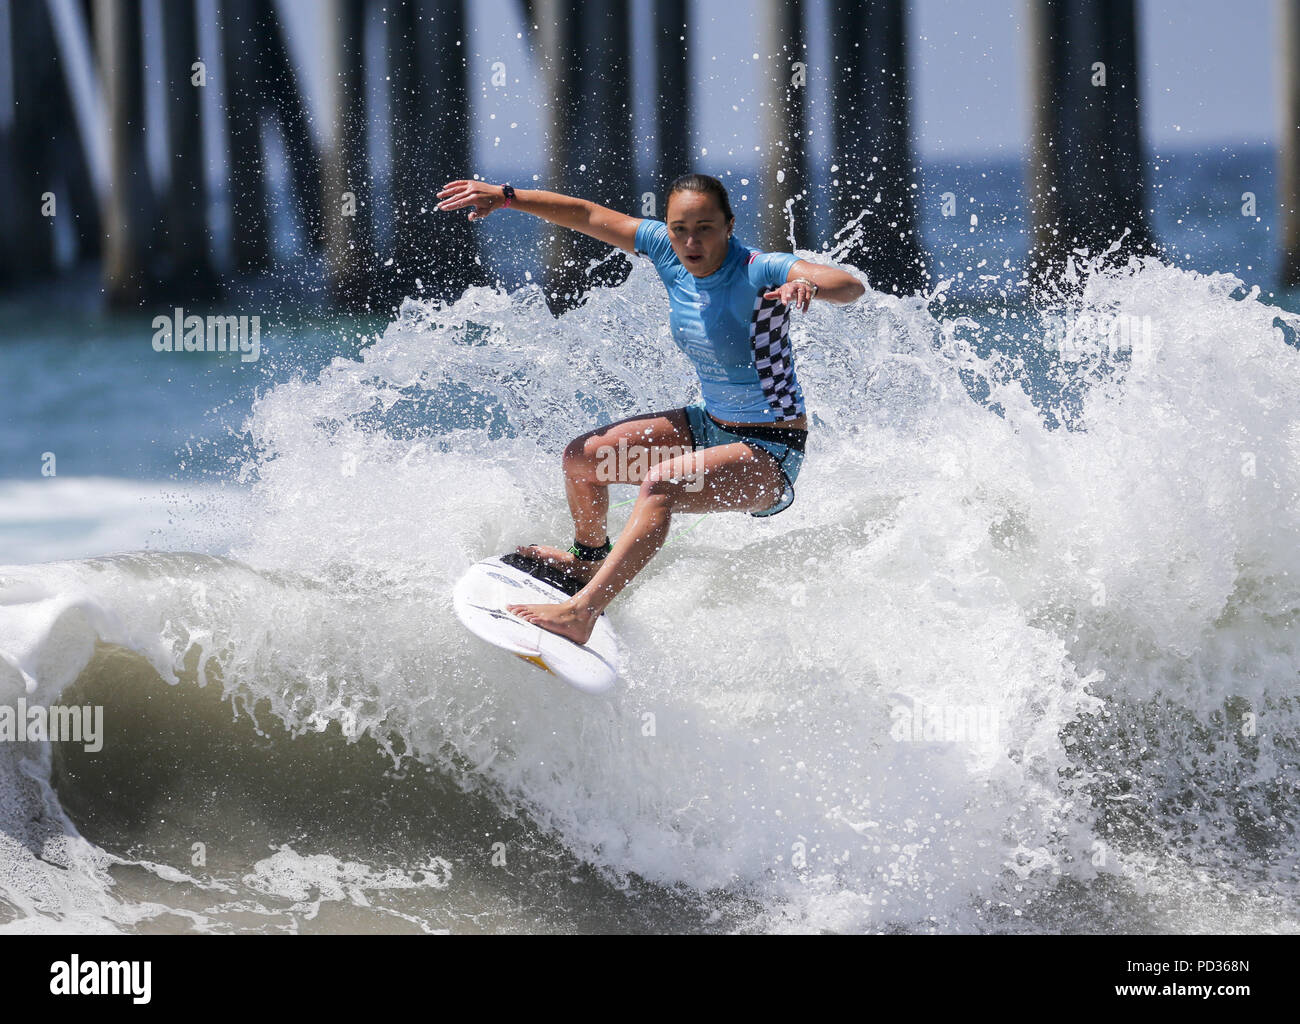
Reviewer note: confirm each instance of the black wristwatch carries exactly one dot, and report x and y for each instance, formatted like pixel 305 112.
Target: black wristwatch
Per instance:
pixel 509 192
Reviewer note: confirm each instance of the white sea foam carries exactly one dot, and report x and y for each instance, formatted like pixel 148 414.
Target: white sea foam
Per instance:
pixel 62 517
pixel 1120 599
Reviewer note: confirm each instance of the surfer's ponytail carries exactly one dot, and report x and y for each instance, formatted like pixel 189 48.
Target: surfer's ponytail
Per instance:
pixel 701 183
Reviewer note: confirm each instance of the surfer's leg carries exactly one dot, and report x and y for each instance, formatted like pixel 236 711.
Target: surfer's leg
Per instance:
pixel 621 452
pixel 729 477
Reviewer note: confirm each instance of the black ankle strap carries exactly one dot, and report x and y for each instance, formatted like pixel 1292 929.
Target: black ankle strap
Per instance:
pixel 588 554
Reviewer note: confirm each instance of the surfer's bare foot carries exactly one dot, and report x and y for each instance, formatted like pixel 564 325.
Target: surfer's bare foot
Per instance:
pixel 570 565
pixel 566 619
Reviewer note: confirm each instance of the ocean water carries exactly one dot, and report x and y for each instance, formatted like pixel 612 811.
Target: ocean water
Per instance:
pixel 1021 656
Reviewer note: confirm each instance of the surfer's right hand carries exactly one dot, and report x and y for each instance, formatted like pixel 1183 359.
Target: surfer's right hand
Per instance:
pixel 479 196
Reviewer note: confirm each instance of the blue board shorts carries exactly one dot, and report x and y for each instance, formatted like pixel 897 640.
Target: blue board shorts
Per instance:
pixel 785 444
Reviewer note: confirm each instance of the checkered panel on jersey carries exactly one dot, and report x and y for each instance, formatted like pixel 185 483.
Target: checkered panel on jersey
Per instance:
pixel 769 338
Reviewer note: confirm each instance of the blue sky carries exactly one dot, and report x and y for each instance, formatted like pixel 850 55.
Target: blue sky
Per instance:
pixel 1210 73
pixel 1208 67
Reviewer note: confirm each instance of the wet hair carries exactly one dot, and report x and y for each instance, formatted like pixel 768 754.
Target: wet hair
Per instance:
pixel 701 183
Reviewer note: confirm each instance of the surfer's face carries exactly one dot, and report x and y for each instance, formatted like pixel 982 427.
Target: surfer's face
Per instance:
pixel 698 231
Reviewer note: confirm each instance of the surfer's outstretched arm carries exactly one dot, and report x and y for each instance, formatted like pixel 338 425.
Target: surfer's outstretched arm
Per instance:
pixel 610 226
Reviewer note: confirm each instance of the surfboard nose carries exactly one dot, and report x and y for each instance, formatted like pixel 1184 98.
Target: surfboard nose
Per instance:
pixel 486 596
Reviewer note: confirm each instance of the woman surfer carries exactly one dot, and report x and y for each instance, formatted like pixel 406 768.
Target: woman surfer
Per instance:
pixel 741 447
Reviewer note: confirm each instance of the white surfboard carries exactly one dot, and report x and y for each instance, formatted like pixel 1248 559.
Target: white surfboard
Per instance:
pixel 480 598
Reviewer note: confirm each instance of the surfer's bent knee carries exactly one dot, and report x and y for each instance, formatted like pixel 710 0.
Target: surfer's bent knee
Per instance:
pixel 576 451
pixel 579 460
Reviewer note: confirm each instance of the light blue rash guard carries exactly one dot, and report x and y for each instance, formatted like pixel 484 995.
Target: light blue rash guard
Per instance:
pixel 738 341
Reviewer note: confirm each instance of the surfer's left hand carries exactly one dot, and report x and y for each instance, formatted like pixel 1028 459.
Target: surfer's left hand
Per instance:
pixel 798 292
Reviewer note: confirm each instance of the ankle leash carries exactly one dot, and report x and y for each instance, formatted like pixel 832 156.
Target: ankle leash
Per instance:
pixel 589 554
